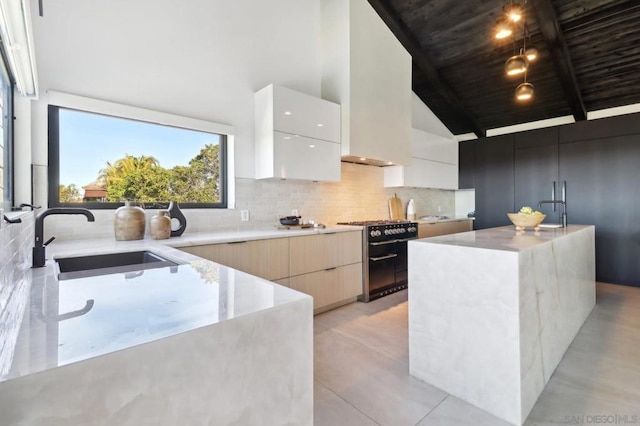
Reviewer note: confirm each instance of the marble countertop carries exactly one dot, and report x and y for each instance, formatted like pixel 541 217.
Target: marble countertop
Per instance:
pixel 504 238
pixel 72 320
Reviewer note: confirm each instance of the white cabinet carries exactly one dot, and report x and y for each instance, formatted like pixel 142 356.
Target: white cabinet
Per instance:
pixel 299 157
pixel 297 136
pixel 367 71
pixel 434 164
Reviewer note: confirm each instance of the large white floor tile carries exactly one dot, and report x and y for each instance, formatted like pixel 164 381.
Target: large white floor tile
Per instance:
pixel 453 411
pixel 331 410
pixel 371 382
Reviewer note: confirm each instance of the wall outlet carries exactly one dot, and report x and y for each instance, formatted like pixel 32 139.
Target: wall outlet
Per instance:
pixel 294 212
pixel 244 215
pixel 439 209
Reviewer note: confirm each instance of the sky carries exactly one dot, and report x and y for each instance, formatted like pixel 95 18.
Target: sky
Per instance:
pixel 88 141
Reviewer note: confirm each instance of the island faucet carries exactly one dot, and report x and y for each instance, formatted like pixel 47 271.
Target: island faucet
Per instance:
pixel 39 258
pixel 564 209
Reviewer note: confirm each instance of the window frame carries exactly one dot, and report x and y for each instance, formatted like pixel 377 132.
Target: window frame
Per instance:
pixel 53 171
pixel 8 169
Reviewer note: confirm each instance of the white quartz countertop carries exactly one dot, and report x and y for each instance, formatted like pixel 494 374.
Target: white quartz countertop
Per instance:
pixel 72 320
pixel 504 238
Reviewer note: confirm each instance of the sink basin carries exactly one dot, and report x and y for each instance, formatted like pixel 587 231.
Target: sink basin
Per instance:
pixel 110 263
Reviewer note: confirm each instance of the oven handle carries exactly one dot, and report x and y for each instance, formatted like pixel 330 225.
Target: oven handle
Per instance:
pixel 404 240
pixel 382 243
pixel 389 256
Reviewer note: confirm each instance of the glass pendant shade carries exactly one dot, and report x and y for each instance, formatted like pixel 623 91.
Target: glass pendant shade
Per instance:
pixel 515 65
pixel 503 29
pixel 531 53
pixel 524 92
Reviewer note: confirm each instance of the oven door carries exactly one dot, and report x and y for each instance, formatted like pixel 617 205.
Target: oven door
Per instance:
pixel 401 260
pixel 382 265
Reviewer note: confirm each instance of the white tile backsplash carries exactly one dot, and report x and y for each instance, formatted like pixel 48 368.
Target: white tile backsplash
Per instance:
pixel 359 196
pixel 16 240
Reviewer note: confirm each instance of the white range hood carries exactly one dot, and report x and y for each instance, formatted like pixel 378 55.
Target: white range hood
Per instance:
pixel 368 72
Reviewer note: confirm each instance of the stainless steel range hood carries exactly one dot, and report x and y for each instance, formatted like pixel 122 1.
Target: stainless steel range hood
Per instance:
pixel 366 161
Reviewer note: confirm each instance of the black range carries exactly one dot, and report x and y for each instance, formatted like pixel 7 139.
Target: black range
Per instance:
pixel 385 256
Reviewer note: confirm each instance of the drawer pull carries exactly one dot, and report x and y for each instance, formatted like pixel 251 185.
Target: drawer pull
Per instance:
pixel 237 242
pixel 331 269
pixel 377 259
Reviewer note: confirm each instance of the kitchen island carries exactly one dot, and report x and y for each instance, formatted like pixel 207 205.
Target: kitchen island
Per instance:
pixel 193 343
pixel 492 312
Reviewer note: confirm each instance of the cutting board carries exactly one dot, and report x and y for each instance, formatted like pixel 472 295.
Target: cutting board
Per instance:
pixel 395 208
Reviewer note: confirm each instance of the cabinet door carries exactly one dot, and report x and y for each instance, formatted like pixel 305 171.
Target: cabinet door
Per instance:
pixel 494 181
pixel 536 179
pixel 299 157
pixel 603 189
pixel 301 114
pixel 322 251
pixel 268 259
pixel 457 226
pixel 422 174
pixel 330 286
pixel 466 164
pixel 426 230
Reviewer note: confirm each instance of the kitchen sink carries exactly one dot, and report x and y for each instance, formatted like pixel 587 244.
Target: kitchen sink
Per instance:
pixel 111 263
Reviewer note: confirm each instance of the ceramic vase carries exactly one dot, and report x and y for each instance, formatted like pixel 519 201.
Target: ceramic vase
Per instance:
pixel 178 221
pixel 129 222
pixel 160 225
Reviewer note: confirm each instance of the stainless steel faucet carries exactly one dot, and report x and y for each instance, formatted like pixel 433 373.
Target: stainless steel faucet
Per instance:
pixel 39 258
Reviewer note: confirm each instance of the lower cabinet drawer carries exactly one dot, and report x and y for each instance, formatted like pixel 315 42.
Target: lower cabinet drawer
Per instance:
pixel 330 286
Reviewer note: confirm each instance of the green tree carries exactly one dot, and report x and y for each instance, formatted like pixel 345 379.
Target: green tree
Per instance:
pixel 135 178
pixel 144 180
pixel 200 181
pixel 69 193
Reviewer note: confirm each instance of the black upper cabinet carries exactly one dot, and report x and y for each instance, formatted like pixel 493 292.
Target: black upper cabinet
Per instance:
pixel 494 181
pixel 603 128
pixel 466 164
pixel 603 188
pixel 536 171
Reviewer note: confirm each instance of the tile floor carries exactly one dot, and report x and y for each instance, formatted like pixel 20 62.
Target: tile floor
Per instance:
pixel 361 370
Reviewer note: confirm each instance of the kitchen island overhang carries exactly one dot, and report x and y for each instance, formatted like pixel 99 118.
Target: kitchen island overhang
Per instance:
pixel 492 312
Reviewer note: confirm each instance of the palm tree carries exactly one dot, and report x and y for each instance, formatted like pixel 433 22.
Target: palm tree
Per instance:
pixel 113 175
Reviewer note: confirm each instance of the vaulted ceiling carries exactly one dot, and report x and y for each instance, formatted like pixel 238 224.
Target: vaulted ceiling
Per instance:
pixel 589 58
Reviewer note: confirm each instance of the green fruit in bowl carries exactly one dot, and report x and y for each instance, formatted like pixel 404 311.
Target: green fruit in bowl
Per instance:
pixel 526 210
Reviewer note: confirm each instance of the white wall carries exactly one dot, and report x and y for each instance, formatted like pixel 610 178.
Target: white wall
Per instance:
pixel 424 119
pixel 202 59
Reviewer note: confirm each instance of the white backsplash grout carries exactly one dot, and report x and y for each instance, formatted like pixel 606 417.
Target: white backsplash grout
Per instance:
pixel 359 196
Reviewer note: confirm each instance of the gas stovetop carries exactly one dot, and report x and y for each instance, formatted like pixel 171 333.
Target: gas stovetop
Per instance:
pixel 374 222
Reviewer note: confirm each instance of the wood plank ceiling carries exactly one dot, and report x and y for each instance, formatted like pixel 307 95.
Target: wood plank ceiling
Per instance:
pixel 589 58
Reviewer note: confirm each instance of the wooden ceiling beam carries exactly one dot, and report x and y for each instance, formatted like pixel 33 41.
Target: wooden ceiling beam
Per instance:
pixel 559 52
pixel 423 62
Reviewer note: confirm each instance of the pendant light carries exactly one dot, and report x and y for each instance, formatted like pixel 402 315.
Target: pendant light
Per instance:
pixel 514 11
pixel 515 65
pixel 519 62
pixel 531 53
pixel 503 29
pixel 524 92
